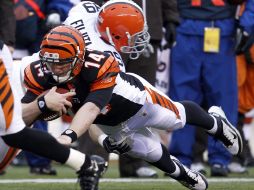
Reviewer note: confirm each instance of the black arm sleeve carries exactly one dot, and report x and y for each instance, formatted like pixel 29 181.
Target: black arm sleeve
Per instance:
pixel 38 142
pixel 100 97
pixel 29 97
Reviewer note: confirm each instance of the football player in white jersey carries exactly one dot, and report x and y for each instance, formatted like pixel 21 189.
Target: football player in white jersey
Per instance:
pixel 124 106
pixel 128 22
pixel 131 27
pixel 14 135
pixel 83 17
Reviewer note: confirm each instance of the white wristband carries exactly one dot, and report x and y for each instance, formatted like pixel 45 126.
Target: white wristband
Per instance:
pixel 101 138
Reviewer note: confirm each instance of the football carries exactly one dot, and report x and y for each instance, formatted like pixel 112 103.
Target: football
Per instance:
pixel 52 115
pixel 63 91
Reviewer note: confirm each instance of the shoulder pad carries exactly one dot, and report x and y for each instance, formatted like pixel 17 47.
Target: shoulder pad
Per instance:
pixel 34 78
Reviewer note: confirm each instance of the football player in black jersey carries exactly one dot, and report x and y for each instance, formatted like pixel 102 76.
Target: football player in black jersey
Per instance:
pixel 15 135
pixel 123 105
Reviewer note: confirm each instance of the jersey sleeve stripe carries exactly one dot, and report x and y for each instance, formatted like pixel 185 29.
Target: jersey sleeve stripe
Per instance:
pixel 29 75
pixel 6 98
pixel 7 103
pixel 5 94
pixel 151 94
pixel 109 66
pixel 28 83
pixel 169 105
pixel 3 76
pixel 163 101
pixel 105 83
pixel 160 100
pixel 174 108
pixel 31 88
pixel 106 76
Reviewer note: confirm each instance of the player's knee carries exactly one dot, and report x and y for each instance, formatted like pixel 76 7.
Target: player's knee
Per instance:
pixel 147 150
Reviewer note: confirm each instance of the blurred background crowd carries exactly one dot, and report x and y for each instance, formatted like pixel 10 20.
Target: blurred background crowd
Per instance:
pixel 201 50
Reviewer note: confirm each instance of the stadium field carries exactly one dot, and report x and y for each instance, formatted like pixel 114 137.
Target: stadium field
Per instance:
pixel 18 178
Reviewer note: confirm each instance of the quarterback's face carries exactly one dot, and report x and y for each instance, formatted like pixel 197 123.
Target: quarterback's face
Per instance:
pixel 60 70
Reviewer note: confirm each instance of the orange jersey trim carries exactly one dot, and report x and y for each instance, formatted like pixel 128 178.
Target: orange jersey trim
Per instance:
pixel 106 65
pixel 105 83
pixel 107 75
pixel 30 82
pixel 110 65
pixel 162 101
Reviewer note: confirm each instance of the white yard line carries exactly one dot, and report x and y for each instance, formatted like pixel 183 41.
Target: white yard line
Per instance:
pixel 120 180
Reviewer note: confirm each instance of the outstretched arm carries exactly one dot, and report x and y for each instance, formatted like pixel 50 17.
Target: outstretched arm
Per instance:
pixel 81 122
pixel 84 118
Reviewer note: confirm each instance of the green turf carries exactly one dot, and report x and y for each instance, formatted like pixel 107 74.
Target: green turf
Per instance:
pixel 125 186
pixel 65 172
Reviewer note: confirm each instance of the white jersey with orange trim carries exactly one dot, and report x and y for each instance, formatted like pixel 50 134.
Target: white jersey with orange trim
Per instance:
pixel 83 17
pixel 157 111
pixel 10 107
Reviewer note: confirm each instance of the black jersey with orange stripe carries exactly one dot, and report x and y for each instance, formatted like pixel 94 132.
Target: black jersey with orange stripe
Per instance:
pixel 94 83
pixel 117 94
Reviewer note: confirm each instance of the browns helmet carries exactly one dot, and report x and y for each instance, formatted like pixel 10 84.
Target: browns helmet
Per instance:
pixel 62 47
pixel 122 24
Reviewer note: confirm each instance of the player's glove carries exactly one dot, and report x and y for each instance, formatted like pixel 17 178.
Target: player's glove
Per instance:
pixel 118 147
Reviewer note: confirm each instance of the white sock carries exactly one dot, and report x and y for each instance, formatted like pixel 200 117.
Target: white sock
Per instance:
pixel 176 173
pixel 215 126
pixel 76 159
pixel 101 138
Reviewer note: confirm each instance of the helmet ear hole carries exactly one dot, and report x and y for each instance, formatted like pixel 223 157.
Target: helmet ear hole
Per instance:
pixel 60 46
